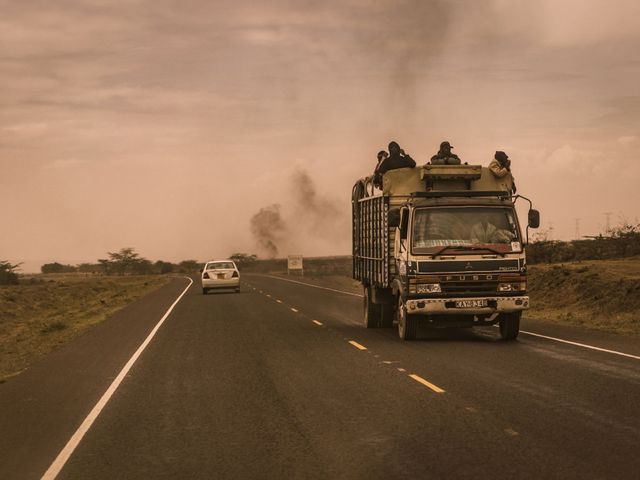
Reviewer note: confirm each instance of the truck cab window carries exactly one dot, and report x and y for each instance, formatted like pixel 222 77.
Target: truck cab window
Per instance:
pixel 474 227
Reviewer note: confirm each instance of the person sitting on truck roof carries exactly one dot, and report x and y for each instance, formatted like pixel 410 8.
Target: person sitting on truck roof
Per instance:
pixel 445 156
pixel 500 166
pixel 377 176
pixel 396 159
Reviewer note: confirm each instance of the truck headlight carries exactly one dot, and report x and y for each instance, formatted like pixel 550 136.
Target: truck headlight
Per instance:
pixel 428 288
pixel 512 287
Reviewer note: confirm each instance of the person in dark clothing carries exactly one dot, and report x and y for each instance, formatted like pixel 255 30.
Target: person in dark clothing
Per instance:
pixel 445 156
pixel 396 159
pixel 377 177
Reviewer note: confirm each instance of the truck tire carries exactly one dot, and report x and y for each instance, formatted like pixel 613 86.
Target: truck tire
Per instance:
pixel 407 324
pixel 372 311
pixel 388 315
pixel 509 325
pixel 204 291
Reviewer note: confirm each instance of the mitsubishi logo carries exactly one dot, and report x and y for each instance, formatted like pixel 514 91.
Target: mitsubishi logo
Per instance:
pixel 468 266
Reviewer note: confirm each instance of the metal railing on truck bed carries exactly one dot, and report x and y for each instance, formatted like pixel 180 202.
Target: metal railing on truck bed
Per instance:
pixel 371 240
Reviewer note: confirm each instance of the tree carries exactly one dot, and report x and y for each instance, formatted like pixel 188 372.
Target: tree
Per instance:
pixel 142 267
pixel 124 261
pixel 8 275
pixel 90 267
pixel 189 266
pixel 163 267
pixel 56 267
pixel 243 259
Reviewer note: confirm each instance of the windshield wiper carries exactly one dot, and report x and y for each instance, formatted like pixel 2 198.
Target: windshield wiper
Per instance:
pixel 440 250
pixel 465 247
pixel 492 250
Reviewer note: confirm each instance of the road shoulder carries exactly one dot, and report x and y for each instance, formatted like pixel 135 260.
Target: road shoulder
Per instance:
pixel 41 408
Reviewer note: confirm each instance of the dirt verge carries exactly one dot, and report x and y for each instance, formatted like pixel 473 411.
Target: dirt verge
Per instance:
pixel 45 311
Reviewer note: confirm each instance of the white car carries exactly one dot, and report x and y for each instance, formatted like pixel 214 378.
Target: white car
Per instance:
pixel 220 274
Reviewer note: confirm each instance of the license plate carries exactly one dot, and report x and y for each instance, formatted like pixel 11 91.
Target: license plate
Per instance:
pixel 220 276
pixel 471 303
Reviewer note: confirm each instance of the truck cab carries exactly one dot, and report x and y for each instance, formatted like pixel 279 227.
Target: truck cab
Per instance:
pixel 441 245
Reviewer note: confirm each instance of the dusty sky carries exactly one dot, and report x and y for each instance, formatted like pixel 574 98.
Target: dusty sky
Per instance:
pixel 166 125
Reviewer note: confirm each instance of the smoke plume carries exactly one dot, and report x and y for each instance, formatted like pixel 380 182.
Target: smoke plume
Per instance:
pixel 316 213
pixel 268 227
pixel 309 223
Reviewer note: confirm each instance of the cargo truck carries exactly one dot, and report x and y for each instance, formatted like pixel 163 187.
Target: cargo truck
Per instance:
pixel 441 245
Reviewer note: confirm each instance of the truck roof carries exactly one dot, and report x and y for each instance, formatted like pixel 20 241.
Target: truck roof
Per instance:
pixel 444 178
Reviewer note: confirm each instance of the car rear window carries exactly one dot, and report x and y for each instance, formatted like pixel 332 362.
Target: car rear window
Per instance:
pixel 219 265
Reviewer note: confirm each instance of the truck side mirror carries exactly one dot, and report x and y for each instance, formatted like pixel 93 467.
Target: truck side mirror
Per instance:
pixel 534 218
pixel 404 223
pixel 394 218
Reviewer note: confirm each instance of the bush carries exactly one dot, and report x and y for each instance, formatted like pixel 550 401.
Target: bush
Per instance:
pixel 623 243
pixel 56 267
pixel 8 275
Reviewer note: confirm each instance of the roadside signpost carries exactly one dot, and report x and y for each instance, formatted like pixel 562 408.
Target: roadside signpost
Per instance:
pixel 294 264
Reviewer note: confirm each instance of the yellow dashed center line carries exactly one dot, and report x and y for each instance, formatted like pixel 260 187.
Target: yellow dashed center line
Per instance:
pixel 427 384
pixel 357 345
pixel 413 376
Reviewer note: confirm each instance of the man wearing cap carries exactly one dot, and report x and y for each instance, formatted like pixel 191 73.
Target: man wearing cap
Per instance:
pixel 445 156
pixel 396 159
pixel 500 166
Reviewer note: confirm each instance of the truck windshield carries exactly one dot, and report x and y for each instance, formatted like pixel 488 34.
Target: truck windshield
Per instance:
pixel 494 228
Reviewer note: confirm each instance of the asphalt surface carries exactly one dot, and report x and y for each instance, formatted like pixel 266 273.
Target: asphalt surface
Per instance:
pixel 282 381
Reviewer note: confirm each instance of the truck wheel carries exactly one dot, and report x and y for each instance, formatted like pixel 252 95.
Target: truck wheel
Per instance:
pixel 372 311
pixel 509 325
pixel 204 291
pixel 407 324
pixel 388 315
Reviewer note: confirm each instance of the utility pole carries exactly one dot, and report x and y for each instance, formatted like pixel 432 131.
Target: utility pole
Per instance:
pixel 608 222
pixel 577 235
pixel 550 231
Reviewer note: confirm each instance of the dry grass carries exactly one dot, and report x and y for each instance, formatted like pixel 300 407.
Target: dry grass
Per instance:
pixel 598 294
pixel 45 311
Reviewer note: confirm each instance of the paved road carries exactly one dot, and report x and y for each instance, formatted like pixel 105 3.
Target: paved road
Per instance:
pixel 281 381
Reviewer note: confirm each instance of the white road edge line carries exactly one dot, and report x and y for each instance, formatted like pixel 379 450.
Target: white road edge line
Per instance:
pixel 317 322
pixel 521 331
pixel 57 465
pixel 315 286
pixel 591 347
pixel 294 310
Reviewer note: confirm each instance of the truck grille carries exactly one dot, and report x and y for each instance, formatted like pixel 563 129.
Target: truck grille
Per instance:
pixel 474 288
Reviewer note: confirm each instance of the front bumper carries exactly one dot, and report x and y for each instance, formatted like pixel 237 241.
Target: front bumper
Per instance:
pixel 446 306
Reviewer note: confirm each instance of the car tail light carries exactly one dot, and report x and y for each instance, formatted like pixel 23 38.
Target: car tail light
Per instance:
pixel 235 274
pixel 206 275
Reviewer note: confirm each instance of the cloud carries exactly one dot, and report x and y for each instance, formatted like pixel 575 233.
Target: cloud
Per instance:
pixel 627 140
pixel 178 109
pixel 66 163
